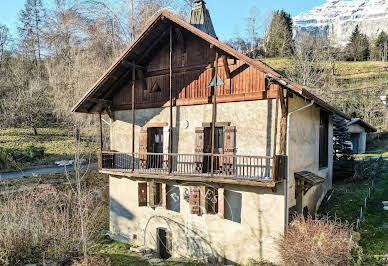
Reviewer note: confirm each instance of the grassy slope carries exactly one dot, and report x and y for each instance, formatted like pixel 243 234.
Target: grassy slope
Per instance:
pixel 59 143
pixel 349 75
pixel 345 203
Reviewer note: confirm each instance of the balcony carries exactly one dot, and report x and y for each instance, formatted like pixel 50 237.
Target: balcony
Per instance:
pixel 231 169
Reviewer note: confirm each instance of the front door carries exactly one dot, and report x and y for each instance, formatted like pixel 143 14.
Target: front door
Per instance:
pixel 164 243
pixel 155 145
pixel 218 147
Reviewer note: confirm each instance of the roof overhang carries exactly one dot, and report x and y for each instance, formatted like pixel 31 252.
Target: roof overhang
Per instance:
pixel 154 32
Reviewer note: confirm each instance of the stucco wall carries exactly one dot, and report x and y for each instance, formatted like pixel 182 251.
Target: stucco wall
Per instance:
pixel 304 152
pixel 362 137
pixel 254 125
pixel 208 236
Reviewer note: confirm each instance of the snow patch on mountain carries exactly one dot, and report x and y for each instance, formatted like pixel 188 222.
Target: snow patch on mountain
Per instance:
pixel 337 19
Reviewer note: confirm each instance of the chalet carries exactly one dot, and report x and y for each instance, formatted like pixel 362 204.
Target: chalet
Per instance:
pixel 358 130
pixel 210 152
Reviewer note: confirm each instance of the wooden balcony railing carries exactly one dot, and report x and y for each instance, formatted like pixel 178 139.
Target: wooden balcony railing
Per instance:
pixel 224 166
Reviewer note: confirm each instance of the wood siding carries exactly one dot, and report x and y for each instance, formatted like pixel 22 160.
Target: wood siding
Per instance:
pixel 193 71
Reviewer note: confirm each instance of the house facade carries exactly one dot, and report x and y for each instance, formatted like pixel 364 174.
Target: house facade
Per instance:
pixel 210 152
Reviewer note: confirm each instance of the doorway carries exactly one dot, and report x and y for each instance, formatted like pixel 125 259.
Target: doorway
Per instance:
pixel 218 147
pixel 164 243
pixel 155 145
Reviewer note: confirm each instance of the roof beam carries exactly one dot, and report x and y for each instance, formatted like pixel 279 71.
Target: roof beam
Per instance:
pixel 152 46
pixel 226 66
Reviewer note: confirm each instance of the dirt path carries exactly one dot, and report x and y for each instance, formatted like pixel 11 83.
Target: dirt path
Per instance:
pixel 42 171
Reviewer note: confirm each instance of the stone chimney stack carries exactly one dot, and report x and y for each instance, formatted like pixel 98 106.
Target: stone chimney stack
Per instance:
pixel 200 18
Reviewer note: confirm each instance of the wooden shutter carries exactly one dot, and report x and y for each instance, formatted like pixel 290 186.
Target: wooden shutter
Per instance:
pixel 143 148
pixel 194 198
pixel 229 149
pixel 142 194
pixel 164 196
pixel 199 142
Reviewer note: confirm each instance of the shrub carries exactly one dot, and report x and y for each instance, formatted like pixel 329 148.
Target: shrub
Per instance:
pixel 29 153
pixel 316 242
pixel 45 223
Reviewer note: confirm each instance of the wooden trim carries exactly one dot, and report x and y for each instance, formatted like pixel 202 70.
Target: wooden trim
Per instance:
pixel 218 124
pixel 194 179
pixel 150 125
pixel 251 96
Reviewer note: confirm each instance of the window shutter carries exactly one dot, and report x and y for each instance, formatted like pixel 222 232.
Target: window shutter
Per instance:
pixel 142 194
pixel 229 149
pixel 199 142
pixel 194 198
pixel 143 148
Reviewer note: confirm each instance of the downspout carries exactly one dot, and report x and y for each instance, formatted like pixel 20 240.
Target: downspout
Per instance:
pixel 286 218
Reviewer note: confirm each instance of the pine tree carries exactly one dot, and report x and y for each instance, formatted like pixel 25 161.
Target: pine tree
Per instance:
pixel 381 45
pixel 279 41
pixel 341 135
pixel 358 46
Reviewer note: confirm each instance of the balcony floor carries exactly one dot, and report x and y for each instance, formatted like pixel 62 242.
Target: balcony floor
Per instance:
pixel 269 183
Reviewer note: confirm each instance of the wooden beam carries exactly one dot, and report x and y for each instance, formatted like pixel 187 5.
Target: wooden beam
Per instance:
pixel 214 115
pixel 226 66
pixel 283 124
pixel 101 140
pixel 133 115
pixel 156 42
pixel 194 179
pixel 170 127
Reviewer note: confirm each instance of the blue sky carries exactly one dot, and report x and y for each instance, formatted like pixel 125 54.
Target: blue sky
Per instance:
pixel 228 15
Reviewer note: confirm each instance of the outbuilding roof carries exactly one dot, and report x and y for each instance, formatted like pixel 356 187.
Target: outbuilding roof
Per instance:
pixel 154 33
pixel 362 123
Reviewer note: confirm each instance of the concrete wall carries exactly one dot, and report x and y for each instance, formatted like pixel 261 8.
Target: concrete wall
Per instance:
pixel 304 152
pixel 208 236
pixel 357 129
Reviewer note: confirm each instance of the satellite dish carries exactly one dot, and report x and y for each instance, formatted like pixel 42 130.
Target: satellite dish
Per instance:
pixel 219 82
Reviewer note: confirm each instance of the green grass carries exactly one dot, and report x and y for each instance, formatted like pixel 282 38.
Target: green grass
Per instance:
pixel 58 142
pixel 349 75
pixel 345 203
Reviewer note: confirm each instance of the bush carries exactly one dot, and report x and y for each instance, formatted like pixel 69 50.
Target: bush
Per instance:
pixel 29 153
pixel 316 242
pixel 45 223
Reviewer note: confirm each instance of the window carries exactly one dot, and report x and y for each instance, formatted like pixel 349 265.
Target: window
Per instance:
pixel 142 194
pixel 158 199
pixel 211 200
pixel 324 139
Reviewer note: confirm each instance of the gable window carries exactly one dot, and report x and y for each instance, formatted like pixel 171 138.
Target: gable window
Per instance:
pixel 324 139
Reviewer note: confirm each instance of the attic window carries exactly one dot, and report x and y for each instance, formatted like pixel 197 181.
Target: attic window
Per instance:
pixel 155 88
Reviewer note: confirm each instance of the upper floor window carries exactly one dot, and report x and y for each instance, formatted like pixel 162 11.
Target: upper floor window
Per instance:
pixel 324 139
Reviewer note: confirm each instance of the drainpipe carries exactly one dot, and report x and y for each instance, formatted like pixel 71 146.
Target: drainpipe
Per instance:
pixel 286 218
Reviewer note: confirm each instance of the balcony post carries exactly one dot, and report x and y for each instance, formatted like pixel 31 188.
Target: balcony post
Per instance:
pixel 214 114
pixel 101 140
pixel 170 127
pixel 133 114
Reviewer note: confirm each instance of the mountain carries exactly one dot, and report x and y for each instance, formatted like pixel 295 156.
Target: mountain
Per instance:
pixel 337 19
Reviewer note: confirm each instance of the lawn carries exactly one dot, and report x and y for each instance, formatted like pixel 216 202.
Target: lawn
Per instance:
pixel 58 142
pixel 345 203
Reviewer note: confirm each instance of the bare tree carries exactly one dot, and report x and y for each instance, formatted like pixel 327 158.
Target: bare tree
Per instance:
pixel 251 22
pixel 30 30
pixel 4 40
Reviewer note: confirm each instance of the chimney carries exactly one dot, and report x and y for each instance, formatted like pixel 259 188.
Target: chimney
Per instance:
pixel 200 18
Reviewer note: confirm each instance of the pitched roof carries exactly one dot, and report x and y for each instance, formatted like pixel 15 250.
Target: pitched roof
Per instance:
pixel 153 33
pixel 359 121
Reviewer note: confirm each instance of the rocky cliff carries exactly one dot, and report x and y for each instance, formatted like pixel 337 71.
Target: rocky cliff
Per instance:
pixel 337 19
